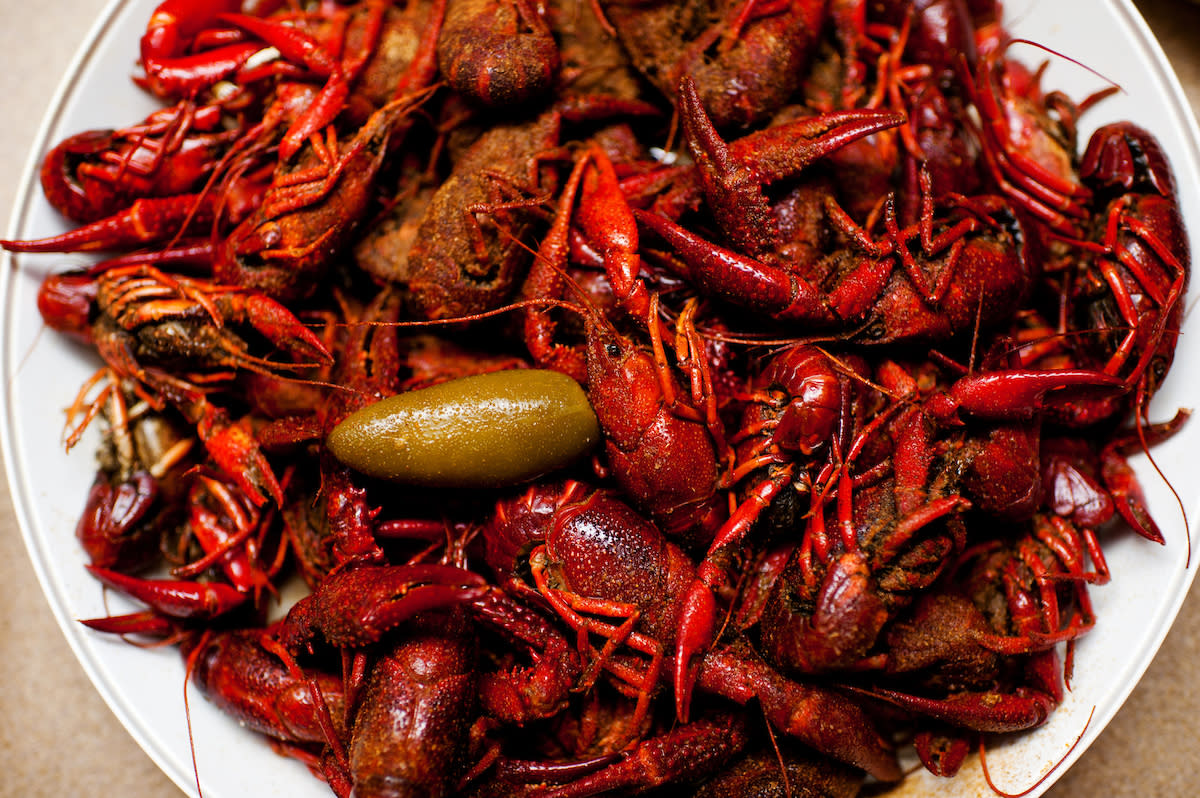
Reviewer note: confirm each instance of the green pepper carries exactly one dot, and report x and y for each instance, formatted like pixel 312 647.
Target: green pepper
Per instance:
pixel 488 430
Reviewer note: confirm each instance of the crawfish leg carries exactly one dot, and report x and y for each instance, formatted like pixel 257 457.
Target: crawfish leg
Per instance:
pixel 685 753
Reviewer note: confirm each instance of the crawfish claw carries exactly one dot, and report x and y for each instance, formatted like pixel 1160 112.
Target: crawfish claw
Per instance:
pixel 284 330
pixel 356 606
pixel 696 618
pixel 179 598
pixel 1013 394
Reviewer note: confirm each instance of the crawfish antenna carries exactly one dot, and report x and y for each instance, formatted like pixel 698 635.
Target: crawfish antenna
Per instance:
pixel 988 777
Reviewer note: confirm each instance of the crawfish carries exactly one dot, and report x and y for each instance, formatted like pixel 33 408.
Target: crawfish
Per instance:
pixel 746 61
pixel 798 416
pixel 138 490
pixel 173 69
pixel 573 535
pixel 901 519
pixel 593 555
pixel 979 654
pixel 408 733
pixel 393 54
pixel 463 261
pixel 497 52
pixel 309 212
pixel 662 449
pixel 334 46
pixel 1087 487
pixel 244 673
pixel 1130 290
pixel 230 533
pixel 143 321
pixel 97 173
pixel 971 266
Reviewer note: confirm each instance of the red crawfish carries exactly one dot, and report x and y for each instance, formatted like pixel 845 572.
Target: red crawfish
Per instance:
pixel 309 212
pixel 970 266
pixel 361 604
pixel 462 263
pixel 1086 485
pixel 798 417
pixel 390 52
pixel 408 731
pixel 746 59
pixel 498 52
pixel 1027 141
pixel 1120 302
pixel 465 256
pixel 662 446
pixel 606 220
pixel 610 574
pixel 901 516
pixel 177 25
pixel 810 420
pixel 416 667
pixel 136 496
pixel 143 321
pixel 245 673
pixel 179 218
pixel 97 173
pixel 232 537
pixel 979 654
pixel 1128 293
pixel 179 55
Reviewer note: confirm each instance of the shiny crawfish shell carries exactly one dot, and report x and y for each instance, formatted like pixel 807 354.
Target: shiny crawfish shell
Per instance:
pixel 488 430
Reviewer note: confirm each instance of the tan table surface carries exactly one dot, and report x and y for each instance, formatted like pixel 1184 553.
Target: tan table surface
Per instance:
pixel 57 737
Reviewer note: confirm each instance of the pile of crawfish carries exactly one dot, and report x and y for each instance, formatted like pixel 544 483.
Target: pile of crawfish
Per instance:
pixel 867 334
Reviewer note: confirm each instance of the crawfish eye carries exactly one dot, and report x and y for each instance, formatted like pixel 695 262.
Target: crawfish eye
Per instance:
pixel 875 331
pixel 1158 372
pixel 613 350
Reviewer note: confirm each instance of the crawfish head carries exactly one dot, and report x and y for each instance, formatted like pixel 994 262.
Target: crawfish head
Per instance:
pixel 468 252
pixel 286 246
pixel 658 446
pixel 745 69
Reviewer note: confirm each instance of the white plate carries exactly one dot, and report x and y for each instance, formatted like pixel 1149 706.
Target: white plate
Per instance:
pixel 143 687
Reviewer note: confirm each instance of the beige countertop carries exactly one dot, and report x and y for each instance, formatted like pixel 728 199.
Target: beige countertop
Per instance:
pixel 57 737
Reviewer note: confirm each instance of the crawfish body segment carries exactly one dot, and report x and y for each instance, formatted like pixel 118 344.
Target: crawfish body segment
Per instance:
pixel 410 733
